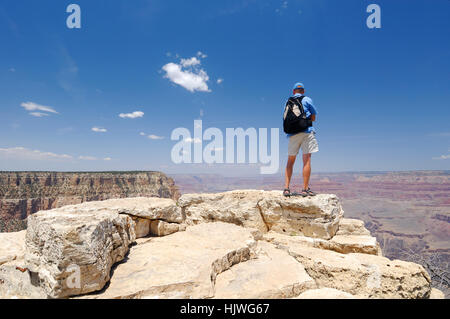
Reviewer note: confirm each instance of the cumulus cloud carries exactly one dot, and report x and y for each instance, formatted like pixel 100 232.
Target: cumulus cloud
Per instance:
pixel 190 62
pixel 99 130
pixel 188 74
pixel 38 110
pixel 219 81
pixel 134 115
pixel 23 153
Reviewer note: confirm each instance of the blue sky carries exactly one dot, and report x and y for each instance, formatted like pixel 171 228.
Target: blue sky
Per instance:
pixel 382 94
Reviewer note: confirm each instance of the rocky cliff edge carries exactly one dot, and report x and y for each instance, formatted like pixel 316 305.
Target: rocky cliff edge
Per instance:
pixel 239 244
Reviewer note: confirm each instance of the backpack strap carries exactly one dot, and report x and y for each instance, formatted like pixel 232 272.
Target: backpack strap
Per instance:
pixel 297 100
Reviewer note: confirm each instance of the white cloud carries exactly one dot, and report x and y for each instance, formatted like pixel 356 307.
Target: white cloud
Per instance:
pixel 155 137
pixel 87 158
pixel 99 130
pixel 23 153
pixel 142 134
pixel 190 62
pixel 201 55
pixel 442 157
pixel 188 74
pixel 31 106
pixel 38 114
pixel 219 81
pixel 133 115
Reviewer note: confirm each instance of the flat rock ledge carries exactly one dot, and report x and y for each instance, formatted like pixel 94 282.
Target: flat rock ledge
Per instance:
pixel 340 243
pixel 240 244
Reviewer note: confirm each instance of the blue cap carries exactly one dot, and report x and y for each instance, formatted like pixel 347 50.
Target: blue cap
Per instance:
pixel 298 85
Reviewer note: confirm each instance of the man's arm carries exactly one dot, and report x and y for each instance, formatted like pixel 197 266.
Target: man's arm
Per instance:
pixel 313 117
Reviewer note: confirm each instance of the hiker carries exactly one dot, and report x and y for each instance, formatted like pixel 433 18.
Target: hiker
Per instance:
pixel 299 115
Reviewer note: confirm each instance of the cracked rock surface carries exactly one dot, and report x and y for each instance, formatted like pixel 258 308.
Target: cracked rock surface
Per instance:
pixel 182 265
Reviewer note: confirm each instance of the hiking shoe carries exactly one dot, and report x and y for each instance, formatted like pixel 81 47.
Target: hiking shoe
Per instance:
pixel 308 192
pixel 303 193
pixel 287 192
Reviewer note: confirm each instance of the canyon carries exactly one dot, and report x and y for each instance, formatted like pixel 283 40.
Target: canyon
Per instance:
pixel 408 212
pixel 25 193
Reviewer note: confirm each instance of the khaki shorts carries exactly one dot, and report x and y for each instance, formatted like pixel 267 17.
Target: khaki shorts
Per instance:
pixel 307 141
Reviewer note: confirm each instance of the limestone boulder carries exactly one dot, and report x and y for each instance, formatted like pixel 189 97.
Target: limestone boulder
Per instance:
pixel 368 276
pixel 12 246
pixel 71 252
pixel 182 265
pixel 153 208
pixel 273 274
pixel 317 216
pixel 142 226
pixel 161 228
pixel 237 207
pixel 352 227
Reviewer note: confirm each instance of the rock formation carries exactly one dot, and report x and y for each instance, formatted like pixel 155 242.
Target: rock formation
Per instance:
pixel 25 193
pixel 240 244
pixel 318 217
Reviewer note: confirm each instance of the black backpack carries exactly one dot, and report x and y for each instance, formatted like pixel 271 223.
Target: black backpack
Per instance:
pixel 294 124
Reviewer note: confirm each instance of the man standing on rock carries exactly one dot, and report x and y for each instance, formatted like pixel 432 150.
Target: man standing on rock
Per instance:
pixel 299 115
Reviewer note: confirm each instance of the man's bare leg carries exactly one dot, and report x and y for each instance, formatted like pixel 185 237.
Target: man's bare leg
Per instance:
pixel 306 170
pixel 289 169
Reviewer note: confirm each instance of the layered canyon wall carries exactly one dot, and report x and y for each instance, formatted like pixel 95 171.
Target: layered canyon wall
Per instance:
pixel 25 193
